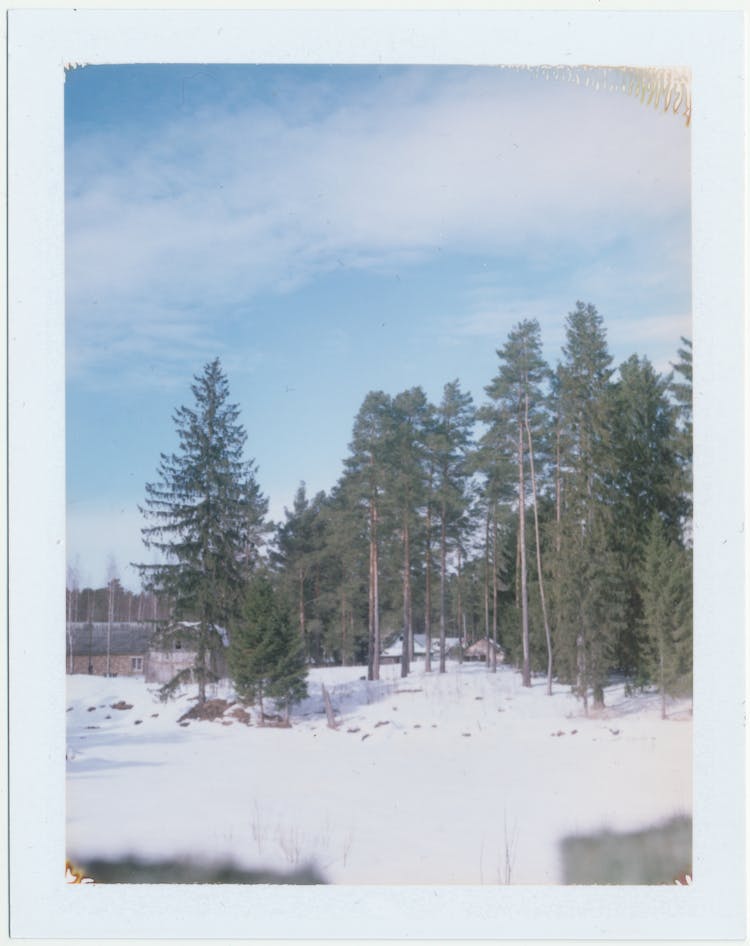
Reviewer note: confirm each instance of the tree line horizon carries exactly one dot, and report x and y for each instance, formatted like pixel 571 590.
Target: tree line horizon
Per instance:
pixel 553 519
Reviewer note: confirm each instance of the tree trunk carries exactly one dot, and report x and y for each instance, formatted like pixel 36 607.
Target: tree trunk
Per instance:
pixel 406 638
pixel 539 555
pixel 522 545
pixel 428 598
pixel 487 584
pixel 343 627
pixel 69 603
pixel 200 663
pixel 443 542
pixel 518 570
pixel 371 602
pixel 493 648
pixel 110 618
pixel 661 684
pixel 558 490
pixel 461 623
pixel 331 719
pixel 375 600
pixel 301 606
pixel 582 685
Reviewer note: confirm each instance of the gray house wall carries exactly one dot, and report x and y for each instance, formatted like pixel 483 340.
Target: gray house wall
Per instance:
pixel 131 652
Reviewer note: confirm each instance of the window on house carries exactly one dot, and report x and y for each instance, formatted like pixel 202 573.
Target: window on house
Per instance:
pixel 136 664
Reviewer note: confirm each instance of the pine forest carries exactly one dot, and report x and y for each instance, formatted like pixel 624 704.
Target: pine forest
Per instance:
pixel 550 520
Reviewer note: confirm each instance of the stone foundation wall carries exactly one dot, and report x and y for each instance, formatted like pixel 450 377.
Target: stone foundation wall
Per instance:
pixel 119 664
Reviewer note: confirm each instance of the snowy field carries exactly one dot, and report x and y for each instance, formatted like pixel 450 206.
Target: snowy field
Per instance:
pixel 460 778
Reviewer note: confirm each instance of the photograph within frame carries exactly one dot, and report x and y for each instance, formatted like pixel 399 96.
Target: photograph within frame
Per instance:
pixel 328 246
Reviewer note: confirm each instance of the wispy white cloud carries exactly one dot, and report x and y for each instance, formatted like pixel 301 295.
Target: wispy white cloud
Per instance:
pixel 493 311
pixel 655 335
pixel 217 207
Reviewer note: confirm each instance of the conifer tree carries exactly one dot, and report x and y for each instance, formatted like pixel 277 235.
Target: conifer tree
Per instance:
pixel 590 608
pixel 682 391
pixel 299 551
pixel 199 510
pixel 516 394
pixel 682 388
pixel 348 548
pixel 255 526
pixel 455 420
pixel 666 582
pixel 266 657
pixel 492 461
pixel 412 417
pixel 643 480
pixel 584 639
pixel 582 390
pixel 367 466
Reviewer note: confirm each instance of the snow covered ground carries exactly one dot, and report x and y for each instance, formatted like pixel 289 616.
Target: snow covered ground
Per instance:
pixel 460 778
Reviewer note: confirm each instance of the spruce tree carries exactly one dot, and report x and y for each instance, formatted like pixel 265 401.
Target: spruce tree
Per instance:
pixel 585 627
pixel 199 510
pixel 590 607
pixel 682 389
pixel 643 479
pixel 266 657
pixel 255 525
pixel 666 583
pixel 682 392
pixel 299 552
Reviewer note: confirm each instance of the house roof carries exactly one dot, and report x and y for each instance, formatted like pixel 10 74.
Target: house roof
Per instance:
pixel 91 638
pixel 192 625
pixel 481 646
pixel 394 648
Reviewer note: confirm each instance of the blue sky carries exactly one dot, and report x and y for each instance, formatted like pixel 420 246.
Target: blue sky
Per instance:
pixel 327 231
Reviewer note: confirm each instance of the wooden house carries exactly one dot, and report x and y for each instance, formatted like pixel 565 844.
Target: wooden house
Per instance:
pixel 165 661
pixel 133 649
pixel 392 653
pixel 480 649
pixel 117 649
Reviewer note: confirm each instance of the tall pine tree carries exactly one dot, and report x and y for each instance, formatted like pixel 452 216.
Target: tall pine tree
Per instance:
pixel 516 394
pixel 455 420
pixel 368 477
pixel 412 417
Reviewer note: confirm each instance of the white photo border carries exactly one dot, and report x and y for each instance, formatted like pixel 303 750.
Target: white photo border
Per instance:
pixel 41 44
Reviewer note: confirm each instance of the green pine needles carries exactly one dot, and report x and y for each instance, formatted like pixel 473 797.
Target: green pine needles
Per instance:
pixel 266 658
pixel 550 526
pixel 667 621
pixel 207 519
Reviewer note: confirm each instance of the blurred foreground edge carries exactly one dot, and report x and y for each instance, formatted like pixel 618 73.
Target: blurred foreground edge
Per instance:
pixel 132 871
pixel 658 855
